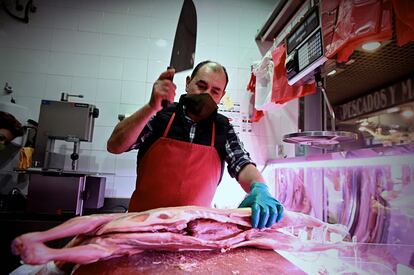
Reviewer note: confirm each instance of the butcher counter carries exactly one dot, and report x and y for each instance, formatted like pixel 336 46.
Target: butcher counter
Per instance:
pixel 237 261
pixel 364 259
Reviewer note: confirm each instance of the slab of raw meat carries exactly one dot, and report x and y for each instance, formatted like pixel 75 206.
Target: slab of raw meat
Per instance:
pixel 174 229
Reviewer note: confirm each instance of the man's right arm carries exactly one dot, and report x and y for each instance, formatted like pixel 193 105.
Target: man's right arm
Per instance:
pixel 127 131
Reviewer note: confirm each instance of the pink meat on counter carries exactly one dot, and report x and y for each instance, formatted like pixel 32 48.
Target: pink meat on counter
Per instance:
pixel 105 236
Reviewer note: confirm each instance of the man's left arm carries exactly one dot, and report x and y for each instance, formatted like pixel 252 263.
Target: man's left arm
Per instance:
pixel 266 210
pixel 248 175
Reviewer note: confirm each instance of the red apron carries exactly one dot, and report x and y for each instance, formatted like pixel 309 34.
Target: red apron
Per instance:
pixel 176 173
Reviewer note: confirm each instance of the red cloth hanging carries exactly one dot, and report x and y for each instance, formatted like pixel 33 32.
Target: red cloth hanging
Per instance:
pixel 356 22
pixel 404 20
pixel 251 87
pixel 281 90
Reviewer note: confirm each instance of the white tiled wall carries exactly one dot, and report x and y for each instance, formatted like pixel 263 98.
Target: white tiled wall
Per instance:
pixel 111 51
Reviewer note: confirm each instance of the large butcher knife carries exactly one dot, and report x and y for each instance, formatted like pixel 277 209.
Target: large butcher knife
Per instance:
pixel 183 53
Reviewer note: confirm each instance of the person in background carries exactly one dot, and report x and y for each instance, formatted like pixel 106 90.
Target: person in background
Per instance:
pixel 183 148
pixel 10 128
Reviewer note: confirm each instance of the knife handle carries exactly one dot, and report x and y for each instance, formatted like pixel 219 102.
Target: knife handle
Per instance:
pixel 165 102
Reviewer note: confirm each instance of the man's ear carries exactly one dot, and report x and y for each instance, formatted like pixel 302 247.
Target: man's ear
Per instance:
pixel 187 81
pixel 224 93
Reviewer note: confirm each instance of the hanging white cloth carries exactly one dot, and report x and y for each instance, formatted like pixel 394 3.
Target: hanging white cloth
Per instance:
pixel 264 79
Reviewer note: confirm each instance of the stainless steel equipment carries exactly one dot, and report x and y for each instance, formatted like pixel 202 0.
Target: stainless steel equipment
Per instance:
pixel 52 189
pixel 321 138
pixel 62 120
pixel 56 193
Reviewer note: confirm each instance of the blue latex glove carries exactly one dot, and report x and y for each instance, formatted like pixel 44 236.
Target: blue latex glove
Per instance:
pixel 266 210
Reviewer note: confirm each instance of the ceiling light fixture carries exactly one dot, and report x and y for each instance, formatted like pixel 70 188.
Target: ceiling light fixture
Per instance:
pixel 371 46
pixel 393 110
pixel 407 113
pixel 331 72
pixel 350 61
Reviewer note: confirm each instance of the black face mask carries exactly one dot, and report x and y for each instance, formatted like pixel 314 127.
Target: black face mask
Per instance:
pixel 200 106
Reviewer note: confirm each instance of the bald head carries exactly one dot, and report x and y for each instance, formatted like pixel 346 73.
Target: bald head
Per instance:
pixel 215 66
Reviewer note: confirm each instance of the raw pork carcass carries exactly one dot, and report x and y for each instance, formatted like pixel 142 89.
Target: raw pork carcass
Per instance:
pixel 176 229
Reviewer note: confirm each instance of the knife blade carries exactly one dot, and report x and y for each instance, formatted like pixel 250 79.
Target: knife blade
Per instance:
pixel 183 52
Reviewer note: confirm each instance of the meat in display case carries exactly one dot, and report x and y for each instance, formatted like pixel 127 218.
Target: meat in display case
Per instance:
pixel 370 191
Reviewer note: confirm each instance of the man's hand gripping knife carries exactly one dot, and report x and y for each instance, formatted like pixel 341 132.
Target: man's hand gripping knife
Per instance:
pixel 266 210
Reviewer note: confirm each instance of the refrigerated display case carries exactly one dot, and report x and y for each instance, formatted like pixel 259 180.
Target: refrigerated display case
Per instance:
pixel 370 191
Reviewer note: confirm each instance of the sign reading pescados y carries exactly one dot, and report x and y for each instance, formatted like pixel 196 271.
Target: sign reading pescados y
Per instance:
pixel 396 94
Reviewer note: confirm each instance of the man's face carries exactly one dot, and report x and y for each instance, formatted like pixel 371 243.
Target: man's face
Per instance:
pixel 209 79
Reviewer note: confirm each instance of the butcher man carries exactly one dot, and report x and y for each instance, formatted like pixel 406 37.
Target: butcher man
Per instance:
pixel 183 146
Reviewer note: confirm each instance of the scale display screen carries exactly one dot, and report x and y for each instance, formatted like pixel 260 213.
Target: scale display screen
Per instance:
pixel 303 31
pixel 304 47
pixel 310 51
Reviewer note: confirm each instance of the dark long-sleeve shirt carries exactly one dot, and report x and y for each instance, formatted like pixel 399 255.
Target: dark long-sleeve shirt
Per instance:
pixel 228 145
